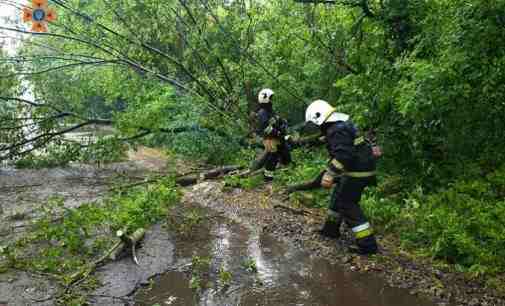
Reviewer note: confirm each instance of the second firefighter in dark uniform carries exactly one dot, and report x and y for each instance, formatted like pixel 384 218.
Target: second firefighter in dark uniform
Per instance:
pixel 351 170
pixel 273 130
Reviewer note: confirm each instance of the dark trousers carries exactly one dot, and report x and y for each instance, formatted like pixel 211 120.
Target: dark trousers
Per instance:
pixel 344 206
pixel 282 155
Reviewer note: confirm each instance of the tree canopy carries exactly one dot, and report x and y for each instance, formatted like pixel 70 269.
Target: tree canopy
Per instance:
pixel 425 74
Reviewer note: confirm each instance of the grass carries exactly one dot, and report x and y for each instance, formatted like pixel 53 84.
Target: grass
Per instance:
pixel 250 265
pixel 199 271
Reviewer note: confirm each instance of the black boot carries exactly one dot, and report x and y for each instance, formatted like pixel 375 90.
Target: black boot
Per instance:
pixel 331 227
pixel 268 176
pixel 365 246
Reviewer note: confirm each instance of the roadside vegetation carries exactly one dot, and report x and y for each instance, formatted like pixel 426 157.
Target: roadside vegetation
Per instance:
pixel 425 76
pixel 64 243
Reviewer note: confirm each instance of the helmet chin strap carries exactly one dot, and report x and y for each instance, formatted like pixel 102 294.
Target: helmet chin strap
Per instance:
pixel 328 114
pixel 336 116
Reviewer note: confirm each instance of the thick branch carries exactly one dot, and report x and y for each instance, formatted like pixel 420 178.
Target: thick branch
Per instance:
pixel 48 135
pixel 50 106
pixel 34 122
pixel 31 103
pixel 123 57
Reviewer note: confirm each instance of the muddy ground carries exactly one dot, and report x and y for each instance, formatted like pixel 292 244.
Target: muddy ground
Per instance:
pixel 295 266
pixel 283 274
pixel 267 211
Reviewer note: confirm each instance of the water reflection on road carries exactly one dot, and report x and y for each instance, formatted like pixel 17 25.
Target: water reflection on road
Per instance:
pixel 285 276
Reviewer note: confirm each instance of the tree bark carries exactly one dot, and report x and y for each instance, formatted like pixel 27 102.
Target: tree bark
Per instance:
pixel 211 174
pixel 309 185
pixel 252 106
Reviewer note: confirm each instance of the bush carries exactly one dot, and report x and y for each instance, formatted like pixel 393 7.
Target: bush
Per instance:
pixel 141 207
pixel 461 223
pixel 200 145
pixel 65 240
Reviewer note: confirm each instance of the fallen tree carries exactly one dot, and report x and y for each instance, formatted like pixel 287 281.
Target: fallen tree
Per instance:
pixel 308 185
pixel 211 174
pixel 125 242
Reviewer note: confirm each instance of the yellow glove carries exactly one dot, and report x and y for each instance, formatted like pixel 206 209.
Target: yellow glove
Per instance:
pixel 328 179
pixel 271 144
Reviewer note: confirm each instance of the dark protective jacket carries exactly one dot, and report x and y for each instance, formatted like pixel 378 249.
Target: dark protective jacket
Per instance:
pixel 269 124
pixel 349 151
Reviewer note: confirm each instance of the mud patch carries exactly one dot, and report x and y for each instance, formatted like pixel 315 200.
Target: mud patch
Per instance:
pixel 24 289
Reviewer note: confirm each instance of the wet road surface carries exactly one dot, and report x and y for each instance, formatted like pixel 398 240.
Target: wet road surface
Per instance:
pixel 284 276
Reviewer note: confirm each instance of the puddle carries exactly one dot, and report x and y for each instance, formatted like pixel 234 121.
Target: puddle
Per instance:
pixel 285 275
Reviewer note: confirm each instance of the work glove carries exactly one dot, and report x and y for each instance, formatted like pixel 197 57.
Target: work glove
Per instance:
pixel 292 138
pixel 271 144
pixel 377 151
pixel 328 179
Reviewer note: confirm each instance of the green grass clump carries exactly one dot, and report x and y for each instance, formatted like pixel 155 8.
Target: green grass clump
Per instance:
pixel 66 240
pixel 461 223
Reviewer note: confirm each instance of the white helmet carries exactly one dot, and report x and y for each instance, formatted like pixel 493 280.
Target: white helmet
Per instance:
pixel 265 96
pixel 321 111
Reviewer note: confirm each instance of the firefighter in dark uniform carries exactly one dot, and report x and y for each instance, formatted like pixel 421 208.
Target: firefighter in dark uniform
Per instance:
pixel 273 130
pixel 353 163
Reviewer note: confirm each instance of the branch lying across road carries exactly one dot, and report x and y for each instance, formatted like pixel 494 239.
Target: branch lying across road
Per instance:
pixel 188 179
pixel 308 185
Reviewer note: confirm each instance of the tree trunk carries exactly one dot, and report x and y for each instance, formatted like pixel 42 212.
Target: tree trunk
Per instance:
pixel 252 106
pixel 211 174
pixel 309 185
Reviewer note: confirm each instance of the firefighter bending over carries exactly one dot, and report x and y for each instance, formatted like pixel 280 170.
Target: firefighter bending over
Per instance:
pixel 351 169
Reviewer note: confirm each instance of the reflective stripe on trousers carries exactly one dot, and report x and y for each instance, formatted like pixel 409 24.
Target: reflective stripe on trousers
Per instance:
pixel 268 173
pixel 363 230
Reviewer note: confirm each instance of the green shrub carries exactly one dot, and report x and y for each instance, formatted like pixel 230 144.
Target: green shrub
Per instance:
pixel 141 207
pixel 461 223
pixel 64 240
pixel 201 145
pixel 383 212
pixel 461 226
pixel 247 183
